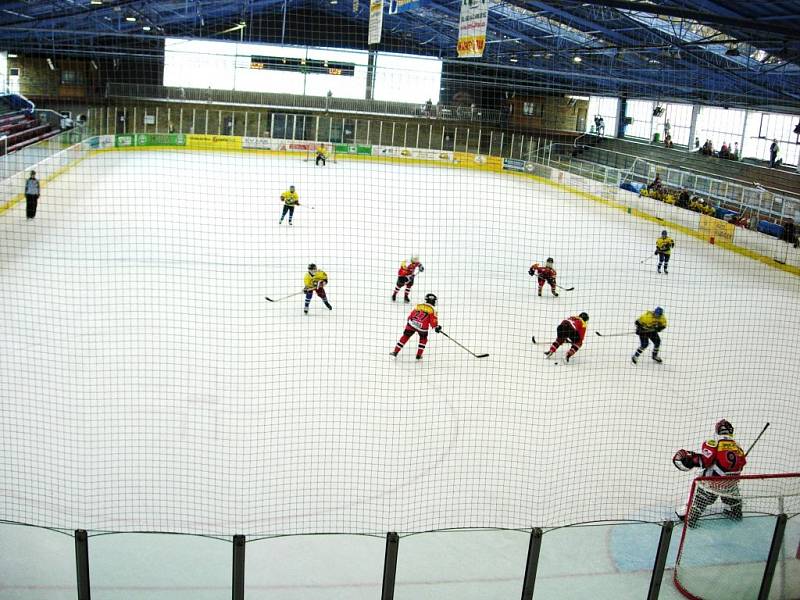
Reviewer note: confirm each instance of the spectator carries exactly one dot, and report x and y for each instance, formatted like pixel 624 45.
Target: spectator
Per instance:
pixel 789 233
pixel 697 142
pixel 429 108
pixel 668 141
pixel 740 220
pixel 774 150
pixel 31 195
pixel 656 184
pixel 683 199
pixel 724 152
pixel 667 128
pixel 599 125
pixel 735 153
pixel 708 148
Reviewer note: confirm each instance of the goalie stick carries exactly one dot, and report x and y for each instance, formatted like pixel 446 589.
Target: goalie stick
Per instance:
pixel 756 440
pixel 463 347
pixel 284 297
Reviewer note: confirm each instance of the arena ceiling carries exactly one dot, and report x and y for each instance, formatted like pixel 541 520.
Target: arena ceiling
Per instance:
pixel 736 52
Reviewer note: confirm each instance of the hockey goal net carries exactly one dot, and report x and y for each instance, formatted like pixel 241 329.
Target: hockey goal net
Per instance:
pixel 727 534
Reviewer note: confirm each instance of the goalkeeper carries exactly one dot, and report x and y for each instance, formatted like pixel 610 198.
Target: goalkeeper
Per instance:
pixel 719 457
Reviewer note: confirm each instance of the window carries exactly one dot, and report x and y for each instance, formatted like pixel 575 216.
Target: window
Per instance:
pixel 70 78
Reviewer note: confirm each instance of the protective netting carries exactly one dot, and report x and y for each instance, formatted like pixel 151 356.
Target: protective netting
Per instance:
pixel 147 383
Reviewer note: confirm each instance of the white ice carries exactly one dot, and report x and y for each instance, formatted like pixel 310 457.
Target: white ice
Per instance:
pixel 147 384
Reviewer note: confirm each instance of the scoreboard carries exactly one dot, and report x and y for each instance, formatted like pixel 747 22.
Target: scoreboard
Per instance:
pixel 302 65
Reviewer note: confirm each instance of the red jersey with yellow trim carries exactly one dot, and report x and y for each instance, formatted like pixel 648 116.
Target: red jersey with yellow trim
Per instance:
pixel 423 317
pixel 721 457
pixel 580 326
pixel 409 269
pixel 543 272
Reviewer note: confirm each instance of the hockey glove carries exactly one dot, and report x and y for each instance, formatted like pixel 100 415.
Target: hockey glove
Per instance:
pixel 531 271
pixel 684 460
pixel 438 329
pixel 421 269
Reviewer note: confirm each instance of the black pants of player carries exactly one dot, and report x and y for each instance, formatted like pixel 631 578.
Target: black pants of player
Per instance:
pixel 320 158
pixel 287 210
pixel 663 260
pixel 31 202
pixel 645 337
pixel 703 499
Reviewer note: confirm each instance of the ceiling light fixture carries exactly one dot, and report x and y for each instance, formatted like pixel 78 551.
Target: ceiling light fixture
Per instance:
pixel 94 65
pixel 50 64
pixel 577 59
pixel 732 50
pixel 95 2
pixel 130 19
pixel 146 28
pixel 514 59
pixel 12 55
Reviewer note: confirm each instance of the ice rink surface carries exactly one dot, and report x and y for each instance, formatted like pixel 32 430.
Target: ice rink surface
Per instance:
pixel 147 384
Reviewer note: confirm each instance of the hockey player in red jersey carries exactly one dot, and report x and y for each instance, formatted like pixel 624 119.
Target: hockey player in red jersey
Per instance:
pixel 421 319
pixel 545 274
pixel 405 276
pixel 571 330
pixel 719 457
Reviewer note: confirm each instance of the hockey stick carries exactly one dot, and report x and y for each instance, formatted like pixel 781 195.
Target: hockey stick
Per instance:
pixel 565 289
pixel 285 297
pixel 464 347
pixel 614 334
pixel 756 440
pixel 641 262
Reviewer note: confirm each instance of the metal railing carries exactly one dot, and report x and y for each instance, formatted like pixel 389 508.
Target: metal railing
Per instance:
pixel 764 204
pixel 158 93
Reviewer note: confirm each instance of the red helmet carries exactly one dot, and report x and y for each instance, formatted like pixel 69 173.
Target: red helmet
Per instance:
pixel 724 427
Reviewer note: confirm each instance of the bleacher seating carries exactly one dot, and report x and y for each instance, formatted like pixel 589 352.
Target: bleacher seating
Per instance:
pixel 19 126
pixel 738 171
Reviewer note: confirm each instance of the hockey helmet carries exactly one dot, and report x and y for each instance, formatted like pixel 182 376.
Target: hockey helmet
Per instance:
pixel 724 427
pixel 584 317
pixel 549 261
pixel 430 299
pixel 664 233
pixel 312 268
pixel 658 311
pixel 291 188
pixel 415 258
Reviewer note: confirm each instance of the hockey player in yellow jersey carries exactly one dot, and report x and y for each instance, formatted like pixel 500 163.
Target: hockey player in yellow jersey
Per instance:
pixel 290 199
pixel 664 246
pixel 322 156
pixel 648 326
pixel 315 280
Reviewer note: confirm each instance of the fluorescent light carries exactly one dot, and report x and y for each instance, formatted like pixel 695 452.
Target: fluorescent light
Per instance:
pixel 50 64
pixel 586 98
pixel 577 59
pixel 94 65
pixel 12 55
pixel 145 27
pixel 130 19
pixel 513 59
pixel 95 2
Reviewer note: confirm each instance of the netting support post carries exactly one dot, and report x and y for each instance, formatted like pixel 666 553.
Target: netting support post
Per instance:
pixel 390 565
pixel 82 564
pixel 774 555
pixel 237 588
pixel 661 560
pixel 532 563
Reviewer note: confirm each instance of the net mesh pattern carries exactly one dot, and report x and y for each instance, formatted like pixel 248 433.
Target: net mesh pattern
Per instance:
pixel 149 385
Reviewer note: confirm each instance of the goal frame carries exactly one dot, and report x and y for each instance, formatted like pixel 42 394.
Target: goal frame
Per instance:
pixel 699 480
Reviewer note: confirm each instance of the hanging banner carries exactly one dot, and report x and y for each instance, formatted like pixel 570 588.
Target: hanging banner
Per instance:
pixel 398 6
pixel 472 28
pixel 375 21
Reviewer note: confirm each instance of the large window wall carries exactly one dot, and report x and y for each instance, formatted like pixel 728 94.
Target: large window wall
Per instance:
pixel 608 109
